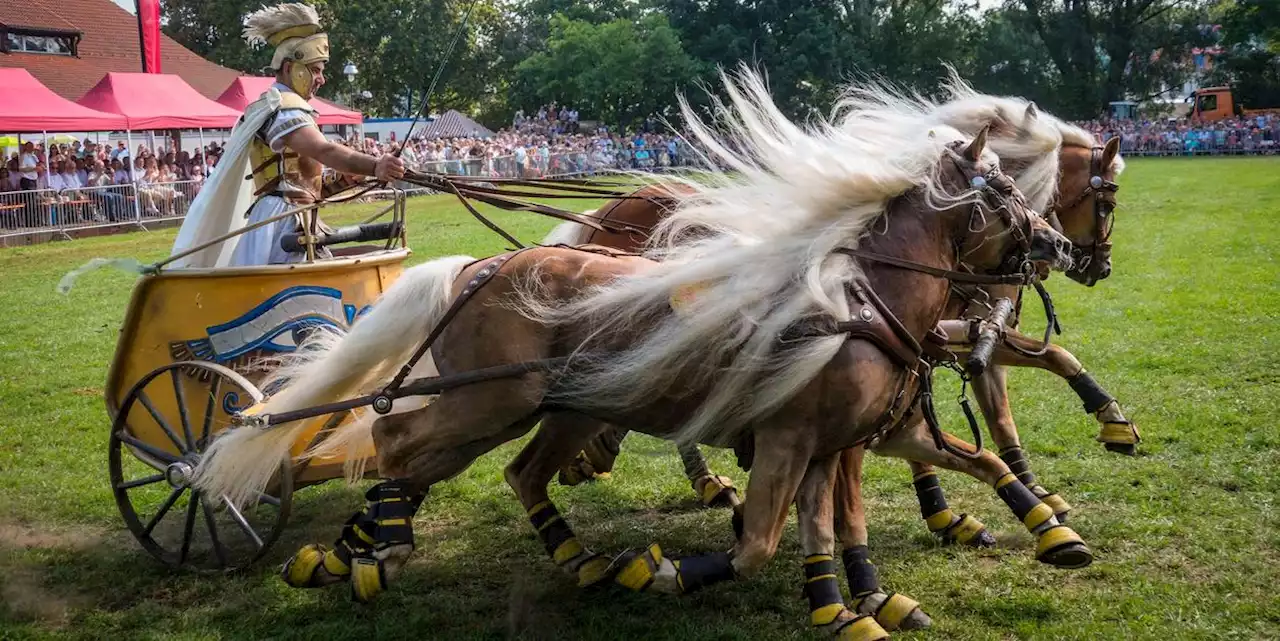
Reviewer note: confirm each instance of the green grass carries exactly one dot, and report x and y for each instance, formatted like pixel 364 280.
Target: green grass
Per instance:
pixel 1184 333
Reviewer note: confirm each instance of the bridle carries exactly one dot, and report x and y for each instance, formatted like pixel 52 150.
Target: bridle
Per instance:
pixel 1089 260
pixel 1001 196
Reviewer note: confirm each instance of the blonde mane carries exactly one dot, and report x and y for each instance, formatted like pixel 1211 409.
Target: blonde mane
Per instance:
pixel 756 241
pixel 1027 140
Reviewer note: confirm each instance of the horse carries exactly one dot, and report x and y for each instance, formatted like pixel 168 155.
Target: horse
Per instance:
pixel 797 340
pixel 1062 173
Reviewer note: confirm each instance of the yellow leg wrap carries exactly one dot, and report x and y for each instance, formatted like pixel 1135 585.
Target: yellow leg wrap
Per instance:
pixel 967 529
pixel 639 572
pixel 713 486
pixel 593 571
pixel 367 579
pixel 567 551
pixel 939 522
pixel 1119 434
pixel 864 628
pixel 826 614
pixel 1038 515
pixel 1055 501
pixel 1053 542
pixel 297 571
pixel 895 610
pixel 1005 480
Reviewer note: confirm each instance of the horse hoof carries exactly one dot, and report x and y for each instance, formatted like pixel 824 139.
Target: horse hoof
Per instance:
pixel 1061 547
pixel 1127 449
pixel 894 611
pixel 368 579
pixel 579 471
pixel 968 531
pixel 314 566
pixel 716 491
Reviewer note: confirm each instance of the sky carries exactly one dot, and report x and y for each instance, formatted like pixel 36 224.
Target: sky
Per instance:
pixel 127 5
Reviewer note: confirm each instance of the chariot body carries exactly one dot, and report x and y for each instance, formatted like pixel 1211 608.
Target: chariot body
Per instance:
pixel 194 345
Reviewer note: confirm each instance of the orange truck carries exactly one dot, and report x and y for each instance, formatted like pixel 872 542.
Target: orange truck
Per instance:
pixel 1216 103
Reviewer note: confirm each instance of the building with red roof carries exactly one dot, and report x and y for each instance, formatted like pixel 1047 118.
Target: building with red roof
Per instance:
pixel 70 45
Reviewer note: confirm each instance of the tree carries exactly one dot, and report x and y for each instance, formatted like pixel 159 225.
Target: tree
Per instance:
pixel 1107 50
pixel 618 71
pixel 1251 61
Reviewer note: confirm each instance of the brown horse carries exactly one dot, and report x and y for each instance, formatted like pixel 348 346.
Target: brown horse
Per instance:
pixel 792 349
pixel 1085 218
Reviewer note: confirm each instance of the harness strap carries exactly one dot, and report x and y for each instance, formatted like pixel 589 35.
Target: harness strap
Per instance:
pixel 482 278
pixel 938 272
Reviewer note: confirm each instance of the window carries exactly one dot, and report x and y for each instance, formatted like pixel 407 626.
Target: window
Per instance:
pixel 1208 103
pixel 45 41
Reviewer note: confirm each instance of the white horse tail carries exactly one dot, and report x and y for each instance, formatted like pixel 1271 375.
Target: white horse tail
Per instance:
pixel 569 232
pixel 331 367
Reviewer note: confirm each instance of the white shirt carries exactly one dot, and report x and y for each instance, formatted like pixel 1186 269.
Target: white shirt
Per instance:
pixel 56 182
pixel 27 165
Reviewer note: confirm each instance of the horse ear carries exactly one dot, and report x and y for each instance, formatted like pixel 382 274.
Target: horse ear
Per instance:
pixel 1110 151
pixel 974 151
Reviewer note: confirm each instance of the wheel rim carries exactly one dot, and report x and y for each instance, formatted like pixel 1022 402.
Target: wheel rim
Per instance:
pixel 174 522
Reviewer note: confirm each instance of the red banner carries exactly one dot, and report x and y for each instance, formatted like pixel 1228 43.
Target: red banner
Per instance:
pixel 149 34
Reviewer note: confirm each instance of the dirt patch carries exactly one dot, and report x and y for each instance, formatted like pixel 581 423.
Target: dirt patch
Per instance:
pixel 14 535
pixel 88 391
pixel 24 593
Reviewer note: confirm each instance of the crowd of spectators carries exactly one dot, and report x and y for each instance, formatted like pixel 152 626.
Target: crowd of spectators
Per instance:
pixel 1257 134
pixel 551 140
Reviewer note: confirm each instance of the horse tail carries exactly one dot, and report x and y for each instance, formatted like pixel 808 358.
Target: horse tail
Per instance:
pixel 331 367
pixel 569 232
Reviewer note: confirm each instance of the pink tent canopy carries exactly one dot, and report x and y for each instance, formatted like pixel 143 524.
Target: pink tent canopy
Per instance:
pixel 157 101
pixel 247 89
pixel 26 105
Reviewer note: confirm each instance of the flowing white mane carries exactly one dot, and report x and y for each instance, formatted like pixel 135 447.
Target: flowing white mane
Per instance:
pixel 757 240
pixel 1028 142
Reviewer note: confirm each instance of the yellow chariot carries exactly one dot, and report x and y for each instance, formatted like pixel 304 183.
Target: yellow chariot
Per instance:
pixel 193 346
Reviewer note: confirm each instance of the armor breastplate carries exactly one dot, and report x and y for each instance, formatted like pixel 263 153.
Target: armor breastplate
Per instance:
pixel 293 177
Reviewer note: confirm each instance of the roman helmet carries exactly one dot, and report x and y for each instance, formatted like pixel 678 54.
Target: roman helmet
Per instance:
pixel 294 30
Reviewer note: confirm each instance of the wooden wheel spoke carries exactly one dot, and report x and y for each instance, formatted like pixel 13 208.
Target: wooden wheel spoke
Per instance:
pixel 161 455
pixel 213 533
pixel 180 395
pixel 164 425
pixel 214 386
pixel 146 480
pixel 243 522
pixel 189 529
pixel 164 509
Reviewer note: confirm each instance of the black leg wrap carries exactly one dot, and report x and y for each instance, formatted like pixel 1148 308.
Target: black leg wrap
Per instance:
pixel 695 572
pixel 1016 459
pixel 1018 497
pixel 386 520
pixel 1094 397
pixel 551 528
pixel 820 581
pixel 695 466
pixel 929 493
pixel 860 571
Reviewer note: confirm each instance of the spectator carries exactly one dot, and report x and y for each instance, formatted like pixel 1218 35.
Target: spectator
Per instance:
pixel 28 164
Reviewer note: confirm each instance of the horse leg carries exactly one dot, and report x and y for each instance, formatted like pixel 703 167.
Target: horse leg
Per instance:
pixel 779 466
pixel 814 511
pixel 1117 433
pixel 938 517
pixel 1058 544
pixel 596 459
pixel 992 392
pixel 891 610
pixel 415 450
pixel 713 490
pixel 561 434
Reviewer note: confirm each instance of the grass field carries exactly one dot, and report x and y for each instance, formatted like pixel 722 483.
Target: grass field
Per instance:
pixel 1186 333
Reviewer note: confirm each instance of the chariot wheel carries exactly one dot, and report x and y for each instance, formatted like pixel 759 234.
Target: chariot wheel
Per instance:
pixel 180 525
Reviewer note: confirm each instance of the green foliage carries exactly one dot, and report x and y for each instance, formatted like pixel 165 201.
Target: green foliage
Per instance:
pixel 618 71
pixel 1251 35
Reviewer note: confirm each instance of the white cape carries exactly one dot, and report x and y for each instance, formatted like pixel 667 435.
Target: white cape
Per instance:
pixel 221 206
